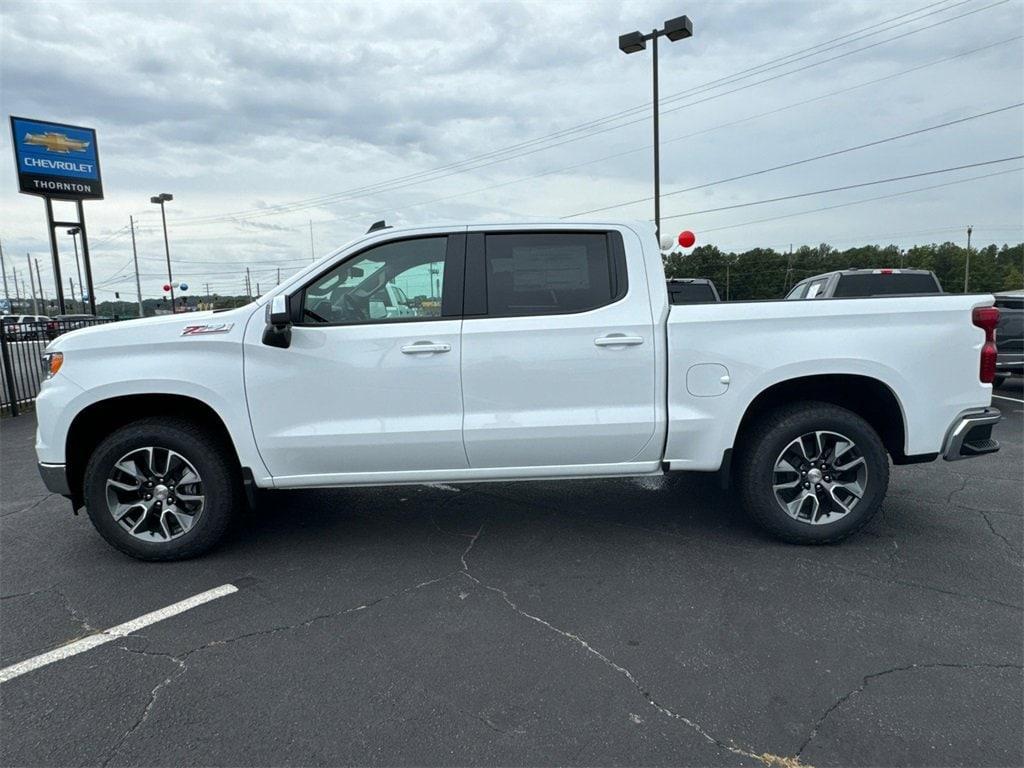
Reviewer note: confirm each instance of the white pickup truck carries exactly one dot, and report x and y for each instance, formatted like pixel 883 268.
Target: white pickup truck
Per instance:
pixel 519 352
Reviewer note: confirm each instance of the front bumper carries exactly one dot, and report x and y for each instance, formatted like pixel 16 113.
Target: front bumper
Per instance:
pixel 970 435
pixel 55 478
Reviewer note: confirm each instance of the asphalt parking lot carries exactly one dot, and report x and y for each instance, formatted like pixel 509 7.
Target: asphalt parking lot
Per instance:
pixel 598 622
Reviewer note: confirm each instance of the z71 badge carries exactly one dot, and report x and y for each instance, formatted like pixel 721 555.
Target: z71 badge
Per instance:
pixel 201 330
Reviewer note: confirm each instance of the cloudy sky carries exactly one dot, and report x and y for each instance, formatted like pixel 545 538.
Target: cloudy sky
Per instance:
pixel 263 117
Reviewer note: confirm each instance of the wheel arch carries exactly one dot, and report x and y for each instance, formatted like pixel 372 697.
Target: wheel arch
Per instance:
pixel 98 420
pixel 868 397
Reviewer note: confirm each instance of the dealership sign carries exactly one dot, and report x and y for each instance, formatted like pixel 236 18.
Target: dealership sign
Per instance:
pixel 56 160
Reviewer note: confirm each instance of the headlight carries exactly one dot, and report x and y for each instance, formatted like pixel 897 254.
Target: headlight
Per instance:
pixel 52 361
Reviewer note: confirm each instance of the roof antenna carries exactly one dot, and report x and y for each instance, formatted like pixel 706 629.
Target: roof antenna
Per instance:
pixel 377 225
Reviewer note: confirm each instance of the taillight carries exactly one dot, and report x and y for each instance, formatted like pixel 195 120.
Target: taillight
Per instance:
pixel 987 318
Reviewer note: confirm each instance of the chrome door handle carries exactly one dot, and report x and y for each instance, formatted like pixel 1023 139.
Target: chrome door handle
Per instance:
pixel 618 340
pixel 421 347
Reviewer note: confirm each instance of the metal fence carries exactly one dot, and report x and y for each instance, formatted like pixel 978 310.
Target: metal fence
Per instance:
pixel 21 355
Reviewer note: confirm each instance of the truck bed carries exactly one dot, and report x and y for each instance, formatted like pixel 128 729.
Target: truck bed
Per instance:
pixel 723 355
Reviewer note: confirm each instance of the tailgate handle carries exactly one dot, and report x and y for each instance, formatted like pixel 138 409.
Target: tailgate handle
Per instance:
pixel 421 347
pixel 618 340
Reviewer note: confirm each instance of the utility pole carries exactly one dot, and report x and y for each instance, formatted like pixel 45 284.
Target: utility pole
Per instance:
pixel 312 247
pixel 278 275
pixel 135 258
pixel 208 299
pixel 32 282
pixel 258 288
pixel 17 293
pixel 3 268
pixel 967 263
pixel 71 282
pixel 74 239
pixel 42 293
pixel 248 286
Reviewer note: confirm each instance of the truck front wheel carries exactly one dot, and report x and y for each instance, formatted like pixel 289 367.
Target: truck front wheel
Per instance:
pixel 812 472
pixel 161 489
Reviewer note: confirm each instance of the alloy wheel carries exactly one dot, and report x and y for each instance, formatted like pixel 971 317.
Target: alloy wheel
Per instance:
pixel 820 477
pixel 155 494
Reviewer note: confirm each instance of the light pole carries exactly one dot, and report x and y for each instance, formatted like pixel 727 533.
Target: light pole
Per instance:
pixel 633 42
pixel 74 239
pixel 967 264
pixel 160 199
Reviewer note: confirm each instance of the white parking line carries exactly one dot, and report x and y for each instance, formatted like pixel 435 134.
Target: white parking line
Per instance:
pixel 121 630
pixel 1011 399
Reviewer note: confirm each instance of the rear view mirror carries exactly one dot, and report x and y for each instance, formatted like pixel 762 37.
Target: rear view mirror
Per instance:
pixel 279 315
pixel 355 271
pixel 278 332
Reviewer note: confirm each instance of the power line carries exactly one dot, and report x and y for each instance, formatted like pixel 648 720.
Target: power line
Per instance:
pixel 857 202
pixel 833 153
pixel 463 166
pixel 845 187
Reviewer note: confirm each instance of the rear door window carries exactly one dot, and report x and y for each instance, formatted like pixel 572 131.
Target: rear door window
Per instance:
pixel 878 284
pixel 691 293
pixel 550 273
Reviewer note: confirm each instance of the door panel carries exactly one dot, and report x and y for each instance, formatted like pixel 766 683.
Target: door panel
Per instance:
pixel 557 388
pixel 348 399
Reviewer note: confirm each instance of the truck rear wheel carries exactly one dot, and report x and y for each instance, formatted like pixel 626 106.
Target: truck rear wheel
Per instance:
pixel 812 472
pixel 161 489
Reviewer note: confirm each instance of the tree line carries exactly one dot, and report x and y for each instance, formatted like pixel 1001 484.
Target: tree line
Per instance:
pixel 764 273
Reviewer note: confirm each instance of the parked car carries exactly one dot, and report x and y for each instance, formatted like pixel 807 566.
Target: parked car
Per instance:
pixel 25 327
pixel 850 283
pixel 64 323
pixel 691 290
pixel 552 353
pixel 1010 335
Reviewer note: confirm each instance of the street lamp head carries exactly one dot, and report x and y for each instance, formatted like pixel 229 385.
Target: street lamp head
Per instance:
pixel 632 42
pixel 163 197
pixel 74 231
pixel 678 28
pixel 155 200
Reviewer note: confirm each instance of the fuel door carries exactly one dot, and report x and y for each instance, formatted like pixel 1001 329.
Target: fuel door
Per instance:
pixel 707 380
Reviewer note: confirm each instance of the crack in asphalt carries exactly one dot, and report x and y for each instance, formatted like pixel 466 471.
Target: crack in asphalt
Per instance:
pixel 153 695
pixel 181 660
pixel 763 757
pixel 322 616
pixel 29 508
pixel 65 602
pixel 955 491
pixel 1009 544
pixel 875 675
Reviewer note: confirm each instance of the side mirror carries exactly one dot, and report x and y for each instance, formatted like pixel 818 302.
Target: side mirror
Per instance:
pixel 278 332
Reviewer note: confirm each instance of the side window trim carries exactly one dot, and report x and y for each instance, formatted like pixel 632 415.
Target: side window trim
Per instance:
pixel 453 265
pixel 475 303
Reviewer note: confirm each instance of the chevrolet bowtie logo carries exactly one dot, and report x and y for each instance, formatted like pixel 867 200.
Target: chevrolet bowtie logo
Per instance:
pixel 56 142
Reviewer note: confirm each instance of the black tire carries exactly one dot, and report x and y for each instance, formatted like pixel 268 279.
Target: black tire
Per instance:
pixel 764 442
pixel 214 462
pixel 999 380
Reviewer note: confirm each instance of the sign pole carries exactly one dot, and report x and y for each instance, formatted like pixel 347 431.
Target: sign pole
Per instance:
pixel 55 253
pixel 88 262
